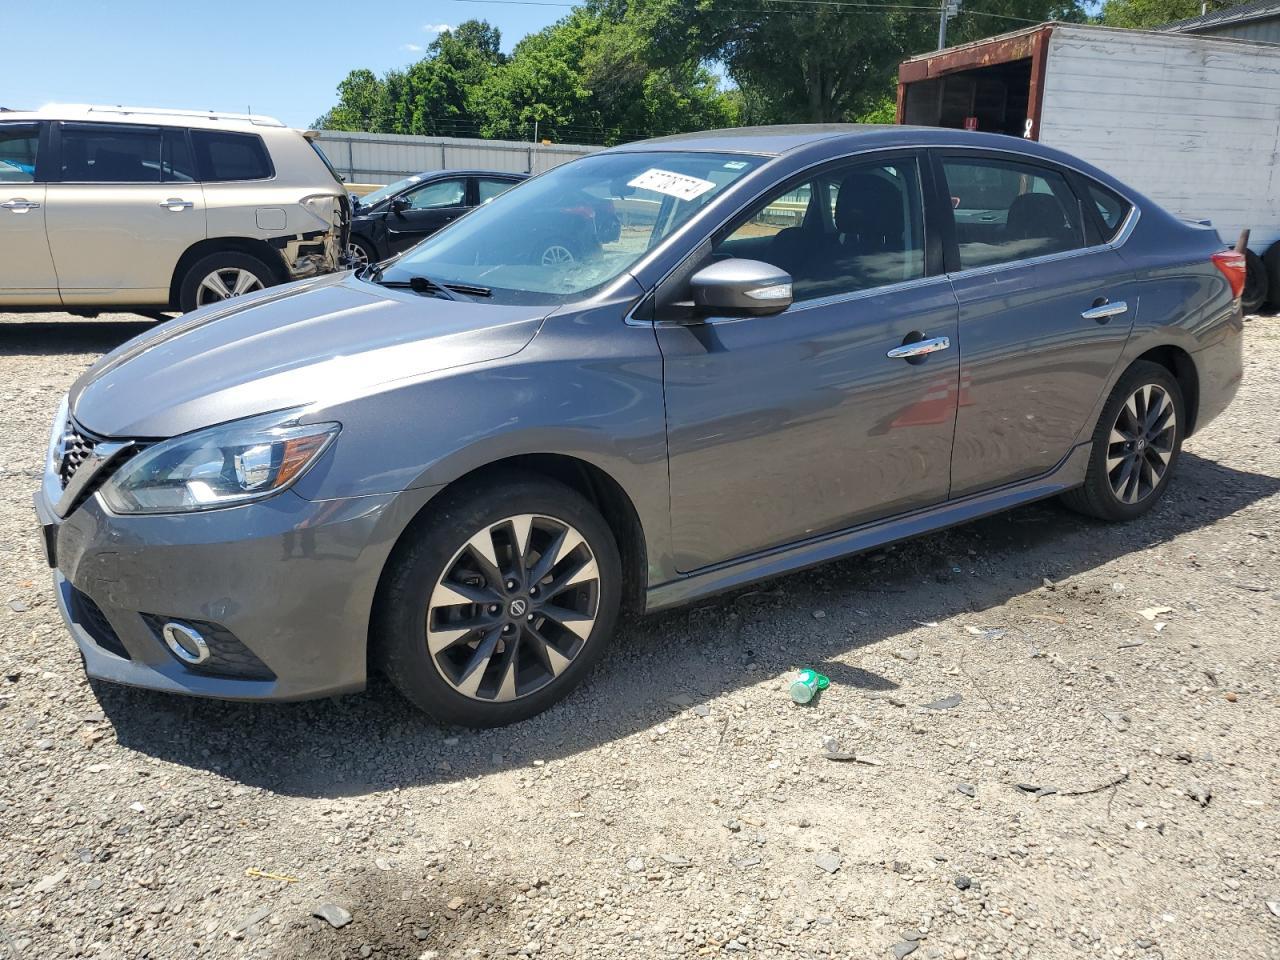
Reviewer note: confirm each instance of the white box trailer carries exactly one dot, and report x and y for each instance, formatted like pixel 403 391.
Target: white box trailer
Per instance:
pixel 1192 122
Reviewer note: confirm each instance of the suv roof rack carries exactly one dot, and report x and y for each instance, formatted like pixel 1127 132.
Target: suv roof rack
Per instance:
pixel 123 111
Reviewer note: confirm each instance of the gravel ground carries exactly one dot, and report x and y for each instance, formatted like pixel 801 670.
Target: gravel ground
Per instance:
pixel 1087 780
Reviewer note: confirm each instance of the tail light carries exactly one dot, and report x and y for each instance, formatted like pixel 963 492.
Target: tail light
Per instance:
pixel 1233 267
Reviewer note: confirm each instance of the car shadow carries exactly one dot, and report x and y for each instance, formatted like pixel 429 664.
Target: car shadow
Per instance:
pixel 38 337
pixel 678 660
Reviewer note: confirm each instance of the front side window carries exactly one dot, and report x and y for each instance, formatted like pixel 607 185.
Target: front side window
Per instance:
pixel 110 153
pixel 852 228
pixel 1006 211
pixel 222 156
pixel 441 193
pixel 18 144
pixel 574 229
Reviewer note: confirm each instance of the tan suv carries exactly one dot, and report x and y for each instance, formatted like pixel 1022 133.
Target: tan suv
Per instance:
pixel 122 207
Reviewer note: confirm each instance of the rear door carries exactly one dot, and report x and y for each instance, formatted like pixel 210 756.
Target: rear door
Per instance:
pixel 122 208
pixel 429 207
pixel 1045 309
pixel 27 277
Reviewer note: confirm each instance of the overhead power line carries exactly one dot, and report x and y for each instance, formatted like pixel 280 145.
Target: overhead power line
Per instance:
pixel 852 5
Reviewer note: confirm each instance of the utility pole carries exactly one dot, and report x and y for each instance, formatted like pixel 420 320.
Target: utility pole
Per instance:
pixel 947 10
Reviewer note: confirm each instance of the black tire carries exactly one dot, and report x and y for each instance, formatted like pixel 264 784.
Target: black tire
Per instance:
pixel 1271 262
pixel 427 551
pixel 189 293
pixel 1096 497
pixel 1257 284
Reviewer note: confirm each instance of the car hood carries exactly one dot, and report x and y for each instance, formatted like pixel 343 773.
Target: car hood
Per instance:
pixel 316 341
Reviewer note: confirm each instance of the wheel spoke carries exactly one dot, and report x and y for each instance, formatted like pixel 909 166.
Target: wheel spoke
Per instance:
pixel 585 572
pixel 245 281
pixel 550 658
pixel 216 285
pixel 452 594
pixel 571 620
pixel 470 678
pixel 521 527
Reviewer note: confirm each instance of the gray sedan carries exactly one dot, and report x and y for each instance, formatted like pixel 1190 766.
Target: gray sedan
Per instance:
pixel 785 345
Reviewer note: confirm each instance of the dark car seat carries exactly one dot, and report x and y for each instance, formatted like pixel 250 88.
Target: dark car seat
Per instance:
pixel 1039 216
pixel 869 215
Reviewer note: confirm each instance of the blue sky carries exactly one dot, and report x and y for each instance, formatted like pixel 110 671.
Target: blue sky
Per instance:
pixel 283 59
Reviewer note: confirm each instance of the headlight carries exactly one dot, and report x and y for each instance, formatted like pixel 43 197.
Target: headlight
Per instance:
pixel 56 435
pixel 219 467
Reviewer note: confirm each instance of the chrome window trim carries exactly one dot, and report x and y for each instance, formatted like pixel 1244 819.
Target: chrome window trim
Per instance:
pixel 1115 243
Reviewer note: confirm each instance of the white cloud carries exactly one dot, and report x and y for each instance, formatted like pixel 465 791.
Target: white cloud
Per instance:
pixel 412 48
pixel 436 27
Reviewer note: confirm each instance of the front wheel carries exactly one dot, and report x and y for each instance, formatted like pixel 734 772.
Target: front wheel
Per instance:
pixel 498 601
pixel 1135 446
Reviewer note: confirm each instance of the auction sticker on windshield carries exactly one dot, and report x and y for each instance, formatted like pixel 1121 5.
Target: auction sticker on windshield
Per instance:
pixel 672 184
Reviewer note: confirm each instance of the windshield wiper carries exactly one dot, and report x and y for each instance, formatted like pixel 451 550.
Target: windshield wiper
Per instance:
pixel 424 285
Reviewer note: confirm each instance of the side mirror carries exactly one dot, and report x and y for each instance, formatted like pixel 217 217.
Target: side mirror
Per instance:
pixel 742 288
pixel 400 204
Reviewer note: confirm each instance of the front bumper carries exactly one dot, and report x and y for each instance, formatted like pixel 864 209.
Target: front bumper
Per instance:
pixel 289 579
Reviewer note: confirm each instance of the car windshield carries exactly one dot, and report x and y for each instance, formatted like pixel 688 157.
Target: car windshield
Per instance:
pixel 390 190
pixel 574 229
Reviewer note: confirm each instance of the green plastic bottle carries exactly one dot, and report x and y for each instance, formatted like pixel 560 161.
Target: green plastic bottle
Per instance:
pixel 807 685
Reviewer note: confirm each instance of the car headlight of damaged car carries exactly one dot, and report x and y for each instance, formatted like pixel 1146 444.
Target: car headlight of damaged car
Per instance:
pixel 219 467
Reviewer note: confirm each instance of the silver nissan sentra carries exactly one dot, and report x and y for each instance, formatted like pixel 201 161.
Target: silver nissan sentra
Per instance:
pixel 656 372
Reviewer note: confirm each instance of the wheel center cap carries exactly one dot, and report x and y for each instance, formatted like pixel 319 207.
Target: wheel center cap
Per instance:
pixel 1141 445
pixel 519 607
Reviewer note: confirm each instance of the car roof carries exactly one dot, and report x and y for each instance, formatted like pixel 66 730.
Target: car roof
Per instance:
pixel 778 140
pixel 162 116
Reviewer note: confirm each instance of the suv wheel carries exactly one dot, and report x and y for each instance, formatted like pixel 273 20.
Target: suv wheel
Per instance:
pixel 498 602
pixel 221 276
pixel 1135 446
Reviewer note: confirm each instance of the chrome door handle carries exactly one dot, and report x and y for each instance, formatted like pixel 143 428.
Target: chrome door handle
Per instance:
pixel 18 205
pixel 176 203
pixel 919 348
pixel 1105 311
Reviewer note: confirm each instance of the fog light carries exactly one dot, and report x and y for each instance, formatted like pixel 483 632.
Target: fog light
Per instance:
pixel 185 642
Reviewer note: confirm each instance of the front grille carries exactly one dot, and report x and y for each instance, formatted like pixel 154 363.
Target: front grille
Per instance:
pixel 95 623
pixel 76 448
pixel 228 657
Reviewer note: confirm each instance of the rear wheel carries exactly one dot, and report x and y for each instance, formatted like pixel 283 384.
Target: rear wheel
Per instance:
pixel 221 276
pixel 1135 446
pixel 1256 283
pixel 498 602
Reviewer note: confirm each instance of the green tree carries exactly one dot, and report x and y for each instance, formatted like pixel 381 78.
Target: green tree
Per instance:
pixel 1141 14
pixel 360 96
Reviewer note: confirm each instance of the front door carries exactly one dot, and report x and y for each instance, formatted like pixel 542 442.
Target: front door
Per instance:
pixel 27 277
pixel 122 213
pixel 786 427
pixel 1045 311
pixel 416 215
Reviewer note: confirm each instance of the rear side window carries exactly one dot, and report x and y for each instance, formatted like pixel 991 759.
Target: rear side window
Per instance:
pixel 18 143
pixel 230 156
pixel 1006 211
pixel 110 153
pixel 488 188
pixel 1112 208
pixel 177 164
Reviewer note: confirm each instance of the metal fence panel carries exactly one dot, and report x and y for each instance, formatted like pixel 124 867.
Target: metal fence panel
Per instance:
pixel 385 157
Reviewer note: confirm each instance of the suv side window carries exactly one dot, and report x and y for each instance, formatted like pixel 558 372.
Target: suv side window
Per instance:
pixel 1006 211
pixel 110 153
pixel 18 144
pixel 222 157
pixel 177 164
pixel 441 193
pixel 852 228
